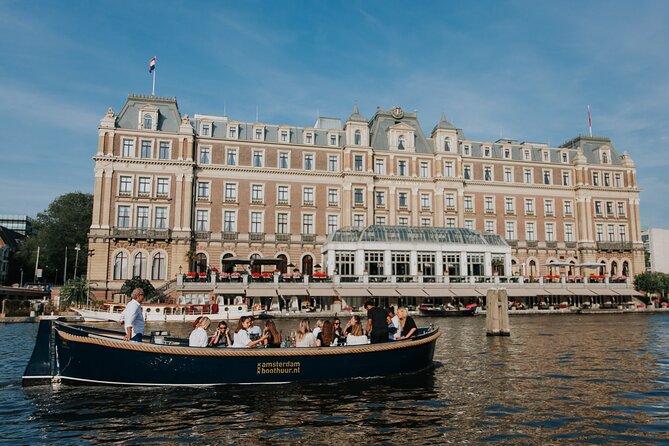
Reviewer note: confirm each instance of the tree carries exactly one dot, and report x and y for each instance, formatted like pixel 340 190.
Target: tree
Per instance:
pixel 64 223
pixel 649 282
pixel 74 292
pixel 138 282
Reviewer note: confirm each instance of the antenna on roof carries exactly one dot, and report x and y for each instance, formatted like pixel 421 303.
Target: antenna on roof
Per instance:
pixel 257 114
pixel 225 108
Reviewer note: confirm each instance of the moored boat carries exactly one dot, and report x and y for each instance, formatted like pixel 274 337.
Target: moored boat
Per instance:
pixel 74 353
pixel 442 311
pixel 111 311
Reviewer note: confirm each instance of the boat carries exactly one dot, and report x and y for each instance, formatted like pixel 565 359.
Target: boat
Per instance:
pixel 112 311
pixel 69 353
pixel 444 311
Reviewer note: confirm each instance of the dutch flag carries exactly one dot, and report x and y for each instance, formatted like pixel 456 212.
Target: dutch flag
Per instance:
pixel 152 64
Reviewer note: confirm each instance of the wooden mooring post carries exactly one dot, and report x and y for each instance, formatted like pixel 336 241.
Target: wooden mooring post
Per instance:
pixel 497 313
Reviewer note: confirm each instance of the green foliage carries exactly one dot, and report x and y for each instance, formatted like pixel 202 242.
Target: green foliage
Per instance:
pixel 74 292
pixel 64 223
pixel 654 283
pixel 16 308
pixel 138 282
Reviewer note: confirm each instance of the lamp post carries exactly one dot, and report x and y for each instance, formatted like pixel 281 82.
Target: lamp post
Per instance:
pixel 77 248
pixel 21 282
pixel 91 253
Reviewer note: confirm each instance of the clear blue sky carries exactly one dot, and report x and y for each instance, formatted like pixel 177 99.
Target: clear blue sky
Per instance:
pixel 521 69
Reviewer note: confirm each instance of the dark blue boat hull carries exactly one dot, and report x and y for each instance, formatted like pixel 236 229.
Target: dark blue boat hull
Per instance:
pixel 91 360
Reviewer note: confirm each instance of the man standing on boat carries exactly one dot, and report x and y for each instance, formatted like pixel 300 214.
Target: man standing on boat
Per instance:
pixel 133 318
pixel 377 322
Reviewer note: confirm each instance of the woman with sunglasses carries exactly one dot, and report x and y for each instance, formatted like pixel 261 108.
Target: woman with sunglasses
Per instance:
pixel 339 338
pixel 222 336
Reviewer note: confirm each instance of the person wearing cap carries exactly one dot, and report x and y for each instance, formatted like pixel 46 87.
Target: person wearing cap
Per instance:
pixel 133 317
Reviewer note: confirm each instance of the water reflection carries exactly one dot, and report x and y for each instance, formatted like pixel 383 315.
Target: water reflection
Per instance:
pixel 572 380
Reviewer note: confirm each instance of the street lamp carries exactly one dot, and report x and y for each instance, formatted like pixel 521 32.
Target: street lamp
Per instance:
pixel 21 282
pixel 91 253
pixel 76 259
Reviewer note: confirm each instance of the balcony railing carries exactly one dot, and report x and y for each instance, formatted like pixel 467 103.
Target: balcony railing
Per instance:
pixel 450 208
pixel 256 236
pixel 614 246
pixel 141 233
pixel 308 238
pixel 231 200
pixel 257 201
pixel 202 235
pixel 512 243
pixel 282 237
pixel 570 245
pixel 308 203
pixel 551 244
pixel 532 243
pixel 229 236
pixel 282 202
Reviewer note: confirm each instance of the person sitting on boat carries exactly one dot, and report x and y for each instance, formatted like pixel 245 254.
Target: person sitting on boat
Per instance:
pixel 254 330
pixel 325 337
pixel 319 327
pixel 377 325
pixel 304 337
pixel 133 318
pixel 355 335
pixel 242 339
pixel 407 325
pixel 222 336
pixel 273 336
pixel 199 337
pixel 338 335
pixel 393 325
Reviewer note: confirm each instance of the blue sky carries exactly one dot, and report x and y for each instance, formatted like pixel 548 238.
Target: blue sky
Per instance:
pixel 520 69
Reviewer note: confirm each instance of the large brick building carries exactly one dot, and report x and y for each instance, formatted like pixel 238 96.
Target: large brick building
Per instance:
pixel 174 193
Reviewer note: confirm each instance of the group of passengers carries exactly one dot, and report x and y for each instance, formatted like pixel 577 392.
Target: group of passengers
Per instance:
pixel 382 326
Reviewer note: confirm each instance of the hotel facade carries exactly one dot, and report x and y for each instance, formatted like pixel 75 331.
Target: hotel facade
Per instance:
pixel 174 194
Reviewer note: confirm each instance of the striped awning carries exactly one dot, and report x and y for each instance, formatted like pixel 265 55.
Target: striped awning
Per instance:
pixel 561 291
pixel 292 291
pixel 322 292
pixel 382 292
pixel 260 292
pixel 581 292
pixel 411 292
pixel 523 292
pixel 604 292
pixel 231 290
pixel 438 292
pixel 466 292
pixel 352 292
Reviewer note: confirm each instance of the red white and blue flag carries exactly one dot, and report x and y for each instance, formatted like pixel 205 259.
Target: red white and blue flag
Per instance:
pixel 152 64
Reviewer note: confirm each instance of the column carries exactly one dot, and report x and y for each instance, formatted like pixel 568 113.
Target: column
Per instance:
pixel 97 198
pixel 106 195
pixel 487 263
pixel 188 203
pixel 463 263
pixel 178 200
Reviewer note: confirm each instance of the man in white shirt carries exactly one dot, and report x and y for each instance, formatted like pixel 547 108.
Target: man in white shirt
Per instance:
pixel 133 317
pixel 254 331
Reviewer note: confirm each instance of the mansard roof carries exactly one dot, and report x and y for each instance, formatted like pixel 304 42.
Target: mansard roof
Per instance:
pixel 169 117
pixel 590 144
pixel 384 119
pixel 443 124
pixel 356 116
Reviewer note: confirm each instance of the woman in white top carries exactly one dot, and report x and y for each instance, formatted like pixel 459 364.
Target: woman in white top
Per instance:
pixel 199 336
pixel 304 336
pixel 355 334
pixel 242 338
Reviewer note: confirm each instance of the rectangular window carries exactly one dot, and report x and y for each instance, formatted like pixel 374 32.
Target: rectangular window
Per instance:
pixel 617 180
pixel 510 228
pixel 380 167
pixel 465 150
pixel 232 132
pixel 333 163
pixel 424 202
pixel 202 220
pixel 450 202
pixel 529 206
pixel 309 138
pixel 308 196
pixel 489 204
pixel 403 221
pixel 622 233
pixel 128 148
pixel 358 197
pixel 527 176
pixel 229 221
pixel 507 153
pixel 469 203
pixel 548 207
pixel 146 149
pixel 282 195
pixel 163 187
pixel 599 232
pixel 205 129
pixel 567 207
pixel 142 217
pixel 283 160
pixel 609 208
pixel 123 218
pixel 204 155
pixel 380 198
pixel 333 197
pixel 380 220
pixel 565 157
pixel 402 168
pixel 202 189
pixel 509 205
pixel 282 223
pixel 232 157
pixel 403 200
pixel 568 232
pixel 489 226
pixel 256 223
pixel 230 192
pixel 595 178
pixel 426 222
pixel 467 172
pixel 164 150
pixel 359 220
pixel 598 208
pixel 160 218
pixel 611 232
pixel 526 155
pixel 307 224
pixel 333 140
pixel 529 231
pixel 566 179
pixel 424 169
pixel 144 185
pixel 358 163
pixel 508 175
pixel 469 224
pixel 448 169
pixel 308 161
pixel 125 185
pixel 257 195
pixel 607 179
pixel 547 177
pixel 333 223
pixel 259 135
pixel 450 222
pixel 487 173
pixel 284 135
pixel 550 235
pixel 621 208
pixel 257 158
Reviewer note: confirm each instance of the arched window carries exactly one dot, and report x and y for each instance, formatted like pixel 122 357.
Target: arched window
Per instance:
pixel 602 268
pixel 626 269
pixel 307 265
pixel 283 266
pixel 227 267
pixel 148 121
pixel 570 270
pixel 447 144
pixel 400 142
pixel 201 263
pixel 121 266
pixel 139 265
pixel 357 138
pixel 533 268
pixel 255 268
pixel 158 267
pixel 614 268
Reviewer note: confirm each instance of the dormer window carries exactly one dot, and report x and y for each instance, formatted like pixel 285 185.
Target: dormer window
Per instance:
pixel 259 133
pixel 565 157
pixel 447 144
pixel 605 158
pixel 333 139
pixel 486 152
pixel 507 153
pixel 284 135
pixel 148 121
pixel 309 138
pixel 206 129
pixel 232 132
pixel 546 156
pixel 357 138
pixel 400 143
pixel 526 155
pixel 466 150
pixel 148 118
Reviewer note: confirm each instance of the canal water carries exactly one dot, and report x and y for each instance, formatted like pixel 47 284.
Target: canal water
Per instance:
pixel 586 379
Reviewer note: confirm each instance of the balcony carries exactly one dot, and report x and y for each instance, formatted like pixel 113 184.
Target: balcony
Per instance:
pixel 202 235
pixel 229 236
pixel 489 211
pixel 614 246
pixel 380 205
pixel 570 245
pixel 469 210
pixel 308 203
pixel 532 243
pixel 281 202
pixel 124 193
pixel 551 244
pixel 232 200
pixel 256 236
pixel 512 243
pixel 141 233
pixel 282 237
pixel 203 198
pixel 450 208
pixel 425 208
pixel 162 195
pixel 403 207
pixel 308 238
pixel 257 201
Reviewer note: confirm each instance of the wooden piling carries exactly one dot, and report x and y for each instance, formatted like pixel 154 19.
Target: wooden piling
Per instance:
pixel 497 313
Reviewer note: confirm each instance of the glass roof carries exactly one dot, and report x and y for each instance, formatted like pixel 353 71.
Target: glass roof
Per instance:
pixel 383 233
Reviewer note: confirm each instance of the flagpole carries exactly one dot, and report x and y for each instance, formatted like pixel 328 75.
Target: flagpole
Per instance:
pixel 153 86
pixel 589 122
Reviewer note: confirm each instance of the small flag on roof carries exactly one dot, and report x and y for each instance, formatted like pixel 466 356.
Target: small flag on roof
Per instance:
pixel 152 64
